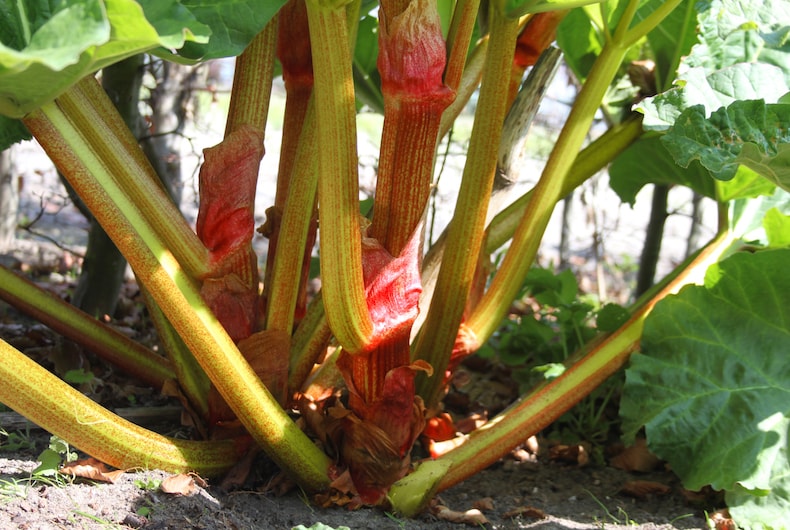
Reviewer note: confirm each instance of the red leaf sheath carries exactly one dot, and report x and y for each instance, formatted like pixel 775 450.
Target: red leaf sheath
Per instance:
pixel 226 225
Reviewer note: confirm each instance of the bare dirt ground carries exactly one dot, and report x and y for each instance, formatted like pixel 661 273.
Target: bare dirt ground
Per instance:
pixel 542 495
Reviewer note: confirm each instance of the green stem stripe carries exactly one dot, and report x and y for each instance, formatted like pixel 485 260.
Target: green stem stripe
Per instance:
pixel 294 229
pixel 88 106
pixel 435 342
pixel 177 295
pixel 252 82
pixel 548 402
pixel 338 186
pixel 132 357
pixel 63 411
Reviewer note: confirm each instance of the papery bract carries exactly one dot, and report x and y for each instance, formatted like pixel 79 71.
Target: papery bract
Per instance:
pixel 228 178
pixel 412 52
pixel 225 224
pixel 392 288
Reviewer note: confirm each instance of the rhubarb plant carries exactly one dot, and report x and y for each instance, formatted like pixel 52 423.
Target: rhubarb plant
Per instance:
pixel 367 360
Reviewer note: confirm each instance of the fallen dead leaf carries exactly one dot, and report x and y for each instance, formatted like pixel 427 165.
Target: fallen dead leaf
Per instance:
pixel 641 489
pixel 470 517
pixel 636 457
pixel 485 504
pixel 91 469
pixel 525 511
pixel 182 484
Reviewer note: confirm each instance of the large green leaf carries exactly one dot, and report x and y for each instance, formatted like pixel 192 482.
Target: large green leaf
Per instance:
pixel 764 512
pixel 742 31
pixel 743 53
pixel 747 132
pixel 777 227
pixel 712 386
pixel 648 161
pixel 57 47
pixel 671 40
pixel 581 41
pixel 233 25
pixel 713 90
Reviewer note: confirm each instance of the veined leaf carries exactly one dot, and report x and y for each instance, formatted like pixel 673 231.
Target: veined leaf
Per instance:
pixel 713 90
pixel 768 512
pixel 712 386
pixel 648 161
pixel 747 132
pixel 743 53
pixel 233 25
pixel 742 31
pixel 57 48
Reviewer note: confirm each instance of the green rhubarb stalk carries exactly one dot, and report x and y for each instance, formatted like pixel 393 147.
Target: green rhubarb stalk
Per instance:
pixel 295 226
pixel 435 342
pixel 309 342
pixel 488 314
pixel 252 82
pixel 192 380
pixel 87 103
pixel 294 214
pixel 549 401
pixel 341 246
pixel 174 290
pixel 459 36
pixel 111 345
pixel 51 403
pixel 467 85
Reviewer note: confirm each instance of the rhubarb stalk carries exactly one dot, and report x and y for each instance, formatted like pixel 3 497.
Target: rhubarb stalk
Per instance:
pixel 436 340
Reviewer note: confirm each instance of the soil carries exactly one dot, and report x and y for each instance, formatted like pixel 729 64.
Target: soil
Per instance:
pixel 543 495
pixel 531 488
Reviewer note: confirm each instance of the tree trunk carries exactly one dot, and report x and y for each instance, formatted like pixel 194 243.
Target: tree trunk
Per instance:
pixel 169 103
pixel 654 234
pixel 9 199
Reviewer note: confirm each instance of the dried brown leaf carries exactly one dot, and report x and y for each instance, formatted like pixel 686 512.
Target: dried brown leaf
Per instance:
pixel 181 484
pixel 641 489
pixel 91 469
pixel 486 504
pixel 573 454
pixel 636 457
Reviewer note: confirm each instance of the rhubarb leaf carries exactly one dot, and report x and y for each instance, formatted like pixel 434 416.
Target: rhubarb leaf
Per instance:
pixel 743 53
pixel 712 385
pixel 48 49
pixel 747 132
pixel 233 25
pixel 648 161
pixel 768 511
pixel 713 90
